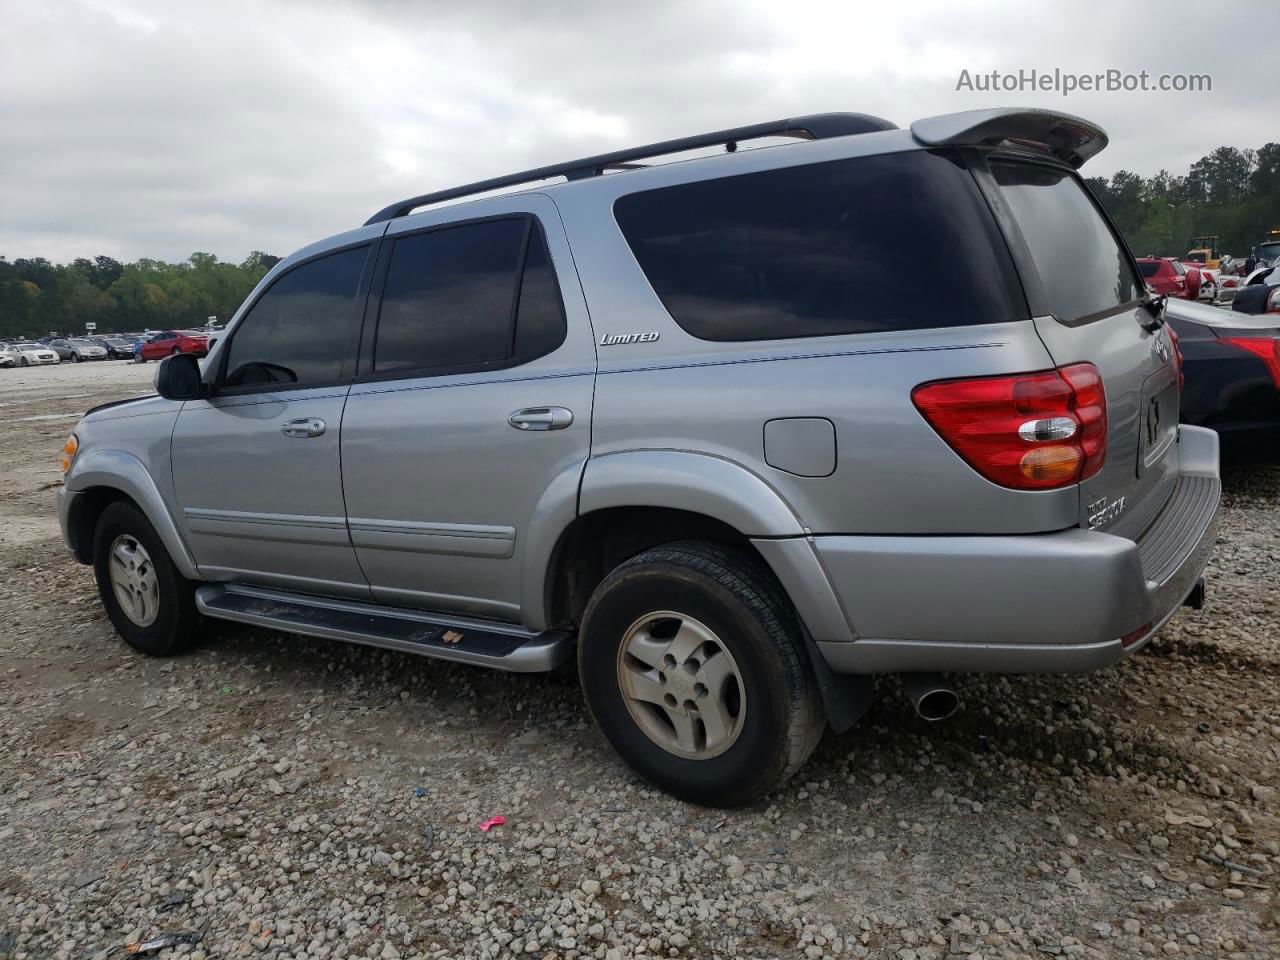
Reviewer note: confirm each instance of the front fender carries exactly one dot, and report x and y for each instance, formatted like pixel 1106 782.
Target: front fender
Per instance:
pixel 118 470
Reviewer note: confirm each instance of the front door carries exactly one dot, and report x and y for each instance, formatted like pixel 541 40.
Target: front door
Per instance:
pixel 256 467
pixel 473 414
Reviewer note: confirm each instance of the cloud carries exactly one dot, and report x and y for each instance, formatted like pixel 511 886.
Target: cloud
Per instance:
pixel 156 128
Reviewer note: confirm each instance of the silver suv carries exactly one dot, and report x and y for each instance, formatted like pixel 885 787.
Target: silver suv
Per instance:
pixel 739 432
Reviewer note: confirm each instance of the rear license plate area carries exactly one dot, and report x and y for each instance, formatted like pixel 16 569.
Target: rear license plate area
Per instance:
pixel 1158 420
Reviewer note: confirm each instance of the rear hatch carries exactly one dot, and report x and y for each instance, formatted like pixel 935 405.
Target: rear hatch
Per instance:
pixel 1088 300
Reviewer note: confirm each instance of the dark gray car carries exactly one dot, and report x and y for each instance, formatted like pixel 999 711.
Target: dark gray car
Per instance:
pixel 698 424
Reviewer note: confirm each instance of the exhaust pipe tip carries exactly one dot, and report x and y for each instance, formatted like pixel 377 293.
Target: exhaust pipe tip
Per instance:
pixel 930 695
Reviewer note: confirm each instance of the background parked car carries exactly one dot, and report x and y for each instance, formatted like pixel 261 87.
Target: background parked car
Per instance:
pixel 1165 275
pixel 118 348
pixel 29 354
pixel 1202 282
pixel 82 348
pixel 1258 293
pixel 1231 363
pixel 168 342
pixel 60 346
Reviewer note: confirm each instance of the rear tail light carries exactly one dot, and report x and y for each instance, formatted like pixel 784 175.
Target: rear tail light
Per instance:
pixel 1177 355
pixel 1030 431
pixel 1267 349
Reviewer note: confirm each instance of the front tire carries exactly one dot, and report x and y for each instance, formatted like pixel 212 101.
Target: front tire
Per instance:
pixel 693 665
pixel 25 362
pixel 151 605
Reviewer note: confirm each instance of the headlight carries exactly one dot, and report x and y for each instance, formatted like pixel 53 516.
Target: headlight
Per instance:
pixel 69 452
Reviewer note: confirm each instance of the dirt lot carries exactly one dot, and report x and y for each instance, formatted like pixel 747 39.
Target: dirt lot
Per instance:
pixel 291 798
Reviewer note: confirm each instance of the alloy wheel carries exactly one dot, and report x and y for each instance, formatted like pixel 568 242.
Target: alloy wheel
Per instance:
pixel 681 685
pixel 133 580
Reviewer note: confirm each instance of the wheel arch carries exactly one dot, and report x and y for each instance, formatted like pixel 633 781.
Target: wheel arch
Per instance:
pixel 612 495
pixel 102 477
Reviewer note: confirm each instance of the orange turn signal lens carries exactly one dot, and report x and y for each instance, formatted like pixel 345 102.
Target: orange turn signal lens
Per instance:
pixel 69 452
pixel 1056 464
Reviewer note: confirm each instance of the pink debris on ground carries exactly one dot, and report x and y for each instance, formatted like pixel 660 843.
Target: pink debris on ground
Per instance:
pixel 491 823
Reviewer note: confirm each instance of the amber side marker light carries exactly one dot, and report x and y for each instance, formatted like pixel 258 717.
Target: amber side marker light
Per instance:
pixel 69 452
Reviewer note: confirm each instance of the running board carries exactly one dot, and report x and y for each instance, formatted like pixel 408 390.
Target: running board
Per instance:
pixel 480 642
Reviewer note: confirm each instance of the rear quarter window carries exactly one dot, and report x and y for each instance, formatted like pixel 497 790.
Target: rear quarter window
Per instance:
pixel 894 242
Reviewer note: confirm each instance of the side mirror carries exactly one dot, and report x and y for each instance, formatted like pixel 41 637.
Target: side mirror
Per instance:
pixel 178 378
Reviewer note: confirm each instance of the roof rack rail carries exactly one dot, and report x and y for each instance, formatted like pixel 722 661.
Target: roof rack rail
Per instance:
pixel 817 126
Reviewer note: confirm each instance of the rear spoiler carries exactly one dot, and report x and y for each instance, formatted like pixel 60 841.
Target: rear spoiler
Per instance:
pixel 1068 138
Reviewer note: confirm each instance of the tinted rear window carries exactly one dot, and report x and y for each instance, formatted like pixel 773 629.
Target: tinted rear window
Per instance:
pixel 452 295
pixel 1082 266
pixel 1149 268
pixel 449 296
pixel 896 242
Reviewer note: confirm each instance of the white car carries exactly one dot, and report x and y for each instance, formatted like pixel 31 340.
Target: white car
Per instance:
pixel 30 354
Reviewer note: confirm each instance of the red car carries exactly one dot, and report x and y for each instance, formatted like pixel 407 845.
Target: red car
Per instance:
pixel 168 342
pixel 1167 277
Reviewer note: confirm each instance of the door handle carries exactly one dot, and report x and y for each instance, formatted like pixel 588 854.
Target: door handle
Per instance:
pixel 541 418
pixel 303 428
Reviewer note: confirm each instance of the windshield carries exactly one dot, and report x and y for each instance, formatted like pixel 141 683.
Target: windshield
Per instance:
pixel 84 343
pixel 31 346
pixel 1269 251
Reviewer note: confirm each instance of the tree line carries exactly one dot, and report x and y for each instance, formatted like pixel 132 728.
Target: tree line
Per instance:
pixel 38 297
pixel 1232 193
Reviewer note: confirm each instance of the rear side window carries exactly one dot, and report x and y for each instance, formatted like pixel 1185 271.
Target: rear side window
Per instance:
pixel 540 324
pixel 896 242
pixel 1082 266
pixel 1149 268
pixel 303 329
pixel 468 296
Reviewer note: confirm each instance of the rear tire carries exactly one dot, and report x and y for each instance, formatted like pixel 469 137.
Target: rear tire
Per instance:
pixel 151 605
pixel 693 665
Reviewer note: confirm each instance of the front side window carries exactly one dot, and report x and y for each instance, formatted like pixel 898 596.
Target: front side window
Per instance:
pixel 824 249
pixel 453 294
pixel 1083 268
pixel 304 328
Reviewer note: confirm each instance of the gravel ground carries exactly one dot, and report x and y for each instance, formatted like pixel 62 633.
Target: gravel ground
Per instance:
pixel 285 797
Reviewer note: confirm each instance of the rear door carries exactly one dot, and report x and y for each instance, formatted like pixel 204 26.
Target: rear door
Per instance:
pixel 470 421
pixel 1087 297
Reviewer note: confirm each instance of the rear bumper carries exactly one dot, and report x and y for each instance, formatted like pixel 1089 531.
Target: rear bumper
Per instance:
pixel 1046 603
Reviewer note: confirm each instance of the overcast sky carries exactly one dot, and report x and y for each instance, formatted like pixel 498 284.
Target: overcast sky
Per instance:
pixel 152 129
